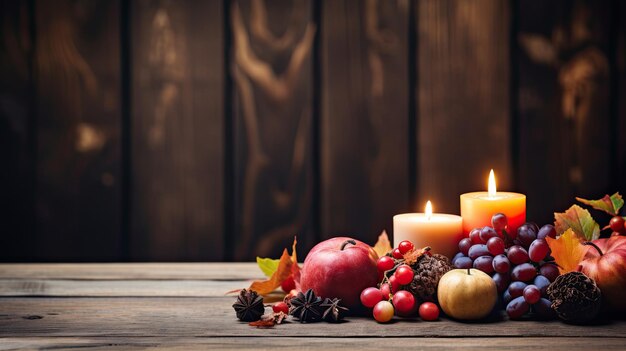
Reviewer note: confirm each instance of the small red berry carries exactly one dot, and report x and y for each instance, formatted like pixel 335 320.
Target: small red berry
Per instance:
pixel 383 311
pixel 405 246
pixel 385 263
pixel 397 254
pixel 404 274
pixel 429 311
pixel 280 307
pixel 288 284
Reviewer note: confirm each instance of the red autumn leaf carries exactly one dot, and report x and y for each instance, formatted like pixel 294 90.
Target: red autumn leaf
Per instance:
pixel 609 204
pixel 579 220
pixel 382 245
pixel 287 266
pixel 568 251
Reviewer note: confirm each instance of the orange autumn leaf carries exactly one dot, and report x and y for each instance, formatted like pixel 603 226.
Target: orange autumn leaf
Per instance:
pixel 287 266
pixel 382 245
pixel 568 251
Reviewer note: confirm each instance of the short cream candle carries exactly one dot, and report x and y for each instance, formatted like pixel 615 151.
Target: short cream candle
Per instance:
pixel 442 232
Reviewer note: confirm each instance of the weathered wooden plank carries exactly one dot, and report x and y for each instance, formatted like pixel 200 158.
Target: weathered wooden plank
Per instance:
pixel 130 271
pixel 620 95
pixel 273 343
pixel 462 99
pixel 214 317
pixel 563 93
pixel 77 74
pixel 126 288
pixel 177 130
pixel 272 80
pixel 364 116
pixel 16 131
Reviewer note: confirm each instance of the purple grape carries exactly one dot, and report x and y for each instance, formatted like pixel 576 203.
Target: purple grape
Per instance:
pixel 501 264
pixel 538 250
pixel 474 236
pixel 550 271
pixel 463 262
pixel 532 294
pixel 502 281
pixel 478 250
pixel 484 263
pixel 524 272
pixel 458 254
pixel 464 245
pixel 543 309
pixel 516 289
pixel 526 234
pixel 495 245
pixel 546 231
pixel 517 308
pixel 499 221
pixel 487 233
pixel 517 254
pixel 506 297
pixel 542 283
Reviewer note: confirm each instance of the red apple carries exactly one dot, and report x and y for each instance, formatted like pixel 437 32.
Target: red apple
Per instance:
pixel 605 263
pixel 340 267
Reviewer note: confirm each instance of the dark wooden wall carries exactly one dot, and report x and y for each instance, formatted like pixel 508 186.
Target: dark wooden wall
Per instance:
pixel 219 129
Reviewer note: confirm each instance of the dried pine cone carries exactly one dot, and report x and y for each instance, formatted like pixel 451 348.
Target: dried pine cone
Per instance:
pixel 249 306
pixel 575 297
pixel 428 270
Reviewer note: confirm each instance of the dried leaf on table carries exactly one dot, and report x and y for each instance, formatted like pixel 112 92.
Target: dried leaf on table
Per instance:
pixel 267 265
pixel 579 220
pixel 609 204
pixel 287 266
pixel 568 251
pixel 382 245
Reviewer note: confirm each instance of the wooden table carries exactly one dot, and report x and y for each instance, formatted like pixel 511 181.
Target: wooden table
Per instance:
pixel 182 305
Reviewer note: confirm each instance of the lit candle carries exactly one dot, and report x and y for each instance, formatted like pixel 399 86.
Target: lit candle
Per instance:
pixel 442 232
pixel 478 207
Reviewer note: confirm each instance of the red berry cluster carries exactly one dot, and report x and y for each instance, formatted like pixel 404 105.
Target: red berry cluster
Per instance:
pixel 518 262
pixel 388 299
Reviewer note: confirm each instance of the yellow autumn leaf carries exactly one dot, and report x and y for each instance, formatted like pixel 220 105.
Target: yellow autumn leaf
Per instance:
pixel 568 251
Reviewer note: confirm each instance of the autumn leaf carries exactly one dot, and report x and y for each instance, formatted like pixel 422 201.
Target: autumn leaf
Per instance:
pixel 382 245
pixel 579 220
pixel 568 251
pixel 287 266
pixel 267 265
pixel 609 204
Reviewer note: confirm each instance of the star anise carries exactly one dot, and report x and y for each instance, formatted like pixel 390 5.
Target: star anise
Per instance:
pixel 306 307
pixel 249 306
pixel 333 311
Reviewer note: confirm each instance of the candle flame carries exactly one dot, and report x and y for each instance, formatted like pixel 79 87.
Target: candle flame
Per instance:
pixel 492 184
pixel 428 210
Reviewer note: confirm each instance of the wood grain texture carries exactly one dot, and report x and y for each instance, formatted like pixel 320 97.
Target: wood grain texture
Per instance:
pixel 77 74
pixel 563 107
pixel 273 343
pixel 364 117
pixel 177 130
pixel 214 317
pixel 462 99
pixel 129 271
pixel 16 130
pixel 272 44
pixel 620 95
pixel 120 288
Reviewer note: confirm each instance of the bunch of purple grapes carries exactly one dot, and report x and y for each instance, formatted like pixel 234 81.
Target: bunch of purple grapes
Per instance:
pixel 518 262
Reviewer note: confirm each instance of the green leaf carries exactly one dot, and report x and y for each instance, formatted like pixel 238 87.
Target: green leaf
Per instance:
pixel 609 204
pixel 579 220
pixel 267 265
